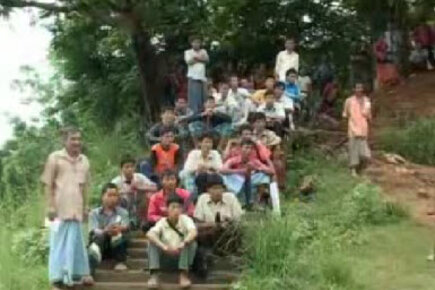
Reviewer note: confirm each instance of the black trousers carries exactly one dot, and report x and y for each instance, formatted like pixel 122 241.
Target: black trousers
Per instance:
pixel 108 251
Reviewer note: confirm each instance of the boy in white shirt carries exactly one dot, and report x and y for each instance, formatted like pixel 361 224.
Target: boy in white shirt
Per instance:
pixel 196 59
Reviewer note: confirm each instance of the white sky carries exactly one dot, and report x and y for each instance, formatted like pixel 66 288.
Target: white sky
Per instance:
pixel 21 43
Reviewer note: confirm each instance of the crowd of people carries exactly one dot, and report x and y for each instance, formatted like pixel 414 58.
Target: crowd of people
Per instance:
pixel 213 157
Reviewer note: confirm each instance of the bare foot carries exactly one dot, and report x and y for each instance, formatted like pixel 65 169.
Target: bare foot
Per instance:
pixel 184 280
pixel 153 282
pixel 120 267
pixel 88 281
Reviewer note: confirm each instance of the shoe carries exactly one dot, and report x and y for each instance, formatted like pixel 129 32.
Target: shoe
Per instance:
pixel 120 267
pixel 184 281
pixel 153 282
pixel 88 281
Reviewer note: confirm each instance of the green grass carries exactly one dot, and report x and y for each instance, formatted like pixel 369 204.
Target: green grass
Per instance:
pixel 348 239
pixel 415 141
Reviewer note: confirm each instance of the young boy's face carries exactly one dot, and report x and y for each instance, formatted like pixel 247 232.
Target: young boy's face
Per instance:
pixel 224 89
pixel 216 192
pixel 290 45
pixel 196 44
pixel 174 210
pixel 246 134
pixel 168 117
pixel 111 198
pixel 234 82
pixel 167 139
pixel 278 92
pixel 210 105
pixel 181 104
pixel 270 82
pixel 169 182
pixel 206 144
pixel 292 78
pixel 128 170
pixel 246 150
pixel 260 124
pixel 359 89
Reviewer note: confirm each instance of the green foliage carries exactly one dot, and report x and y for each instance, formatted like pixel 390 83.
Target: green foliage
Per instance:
pixel 31 245
pixel 415 141
pixel 302 250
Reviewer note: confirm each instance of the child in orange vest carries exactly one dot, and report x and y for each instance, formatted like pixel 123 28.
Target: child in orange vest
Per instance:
pixel 166 155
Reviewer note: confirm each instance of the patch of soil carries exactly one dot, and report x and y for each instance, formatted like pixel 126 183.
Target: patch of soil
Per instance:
pixel 409 184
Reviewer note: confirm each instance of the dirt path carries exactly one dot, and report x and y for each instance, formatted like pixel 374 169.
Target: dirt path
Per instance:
pixel 409 184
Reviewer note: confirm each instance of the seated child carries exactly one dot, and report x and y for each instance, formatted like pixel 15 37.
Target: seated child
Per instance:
pixel 168 119
pixel 285 102
pixel 133 188
pixel 108 225
pixel 216 212
pixel 157 205
pixel 292 89
pixel 234 148
pixel 259 97
pixel 244 173
pixel 200 163
pixel 172 240
pixel 211 120
pixel 165 155
pixel 267 137
pixel 275 113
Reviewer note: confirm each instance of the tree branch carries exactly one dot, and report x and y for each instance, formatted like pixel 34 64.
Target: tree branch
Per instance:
pixel 50 7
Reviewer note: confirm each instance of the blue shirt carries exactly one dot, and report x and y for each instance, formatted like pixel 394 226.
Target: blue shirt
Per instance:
pixel 98 220
pixel 293 91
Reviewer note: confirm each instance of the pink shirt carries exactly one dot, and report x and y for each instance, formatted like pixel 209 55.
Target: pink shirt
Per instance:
pixel 357 110
pixel 238 163
pixel 157 208
pixel 68 177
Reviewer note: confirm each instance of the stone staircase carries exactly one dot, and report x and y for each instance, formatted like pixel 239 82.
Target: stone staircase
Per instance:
pixel 223 273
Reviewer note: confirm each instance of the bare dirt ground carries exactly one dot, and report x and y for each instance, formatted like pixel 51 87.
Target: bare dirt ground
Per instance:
pixel 410 184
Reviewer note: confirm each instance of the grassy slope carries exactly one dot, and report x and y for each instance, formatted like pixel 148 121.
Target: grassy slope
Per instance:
pixel 348 239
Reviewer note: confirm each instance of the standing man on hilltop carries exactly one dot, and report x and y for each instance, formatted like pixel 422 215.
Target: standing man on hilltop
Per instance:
pixel 286 59
pixel 196 59
pixel 66 178
pixel 357 109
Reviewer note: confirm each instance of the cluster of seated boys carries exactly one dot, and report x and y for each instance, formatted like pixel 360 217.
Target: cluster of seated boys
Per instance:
pixel 186 201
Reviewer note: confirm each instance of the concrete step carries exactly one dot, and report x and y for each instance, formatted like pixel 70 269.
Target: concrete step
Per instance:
pixel 214 277
pixel 174 286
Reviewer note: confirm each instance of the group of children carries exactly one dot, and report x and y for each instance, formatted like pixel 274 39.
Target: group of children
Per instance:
pixel 207 162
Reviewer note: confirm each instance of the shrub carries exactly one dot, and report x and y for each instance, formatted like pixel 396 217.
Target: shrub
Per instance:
pixel 415 142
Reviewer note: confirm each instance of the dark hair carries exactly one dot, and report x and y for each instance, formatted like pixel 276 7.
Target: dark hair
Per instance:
pixel 169 173
pixel 259 116
pixel 192 38
pixel 67 131
pixel 270 77
pixel 167 109
pixel 291 71
pixel 127 159
pixel 247 142
pixel 280 85
pixel 245 127
pixel 167 129
pixel 207 135
pixel 211 98
pixel 108 186
pixel 174 198
pixel 291 38
pixel 214 179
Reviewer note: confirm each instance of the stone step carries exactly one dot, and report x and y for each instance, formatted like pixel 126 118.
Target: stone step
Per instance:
pixel 138 243
pixel 214 277
pixel 141 264
pixel 137 253
pixel 163 286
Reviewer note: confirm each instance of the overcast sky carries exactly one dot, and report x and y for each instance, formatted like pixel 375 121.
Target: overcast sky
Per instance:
pixel 21 44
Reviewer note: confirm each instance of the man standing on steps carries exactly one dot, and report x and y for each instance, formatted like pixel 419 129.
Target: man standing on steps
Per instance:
pixel 66 178
pixel 286 59
pixel 357 109
pixel 196 59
